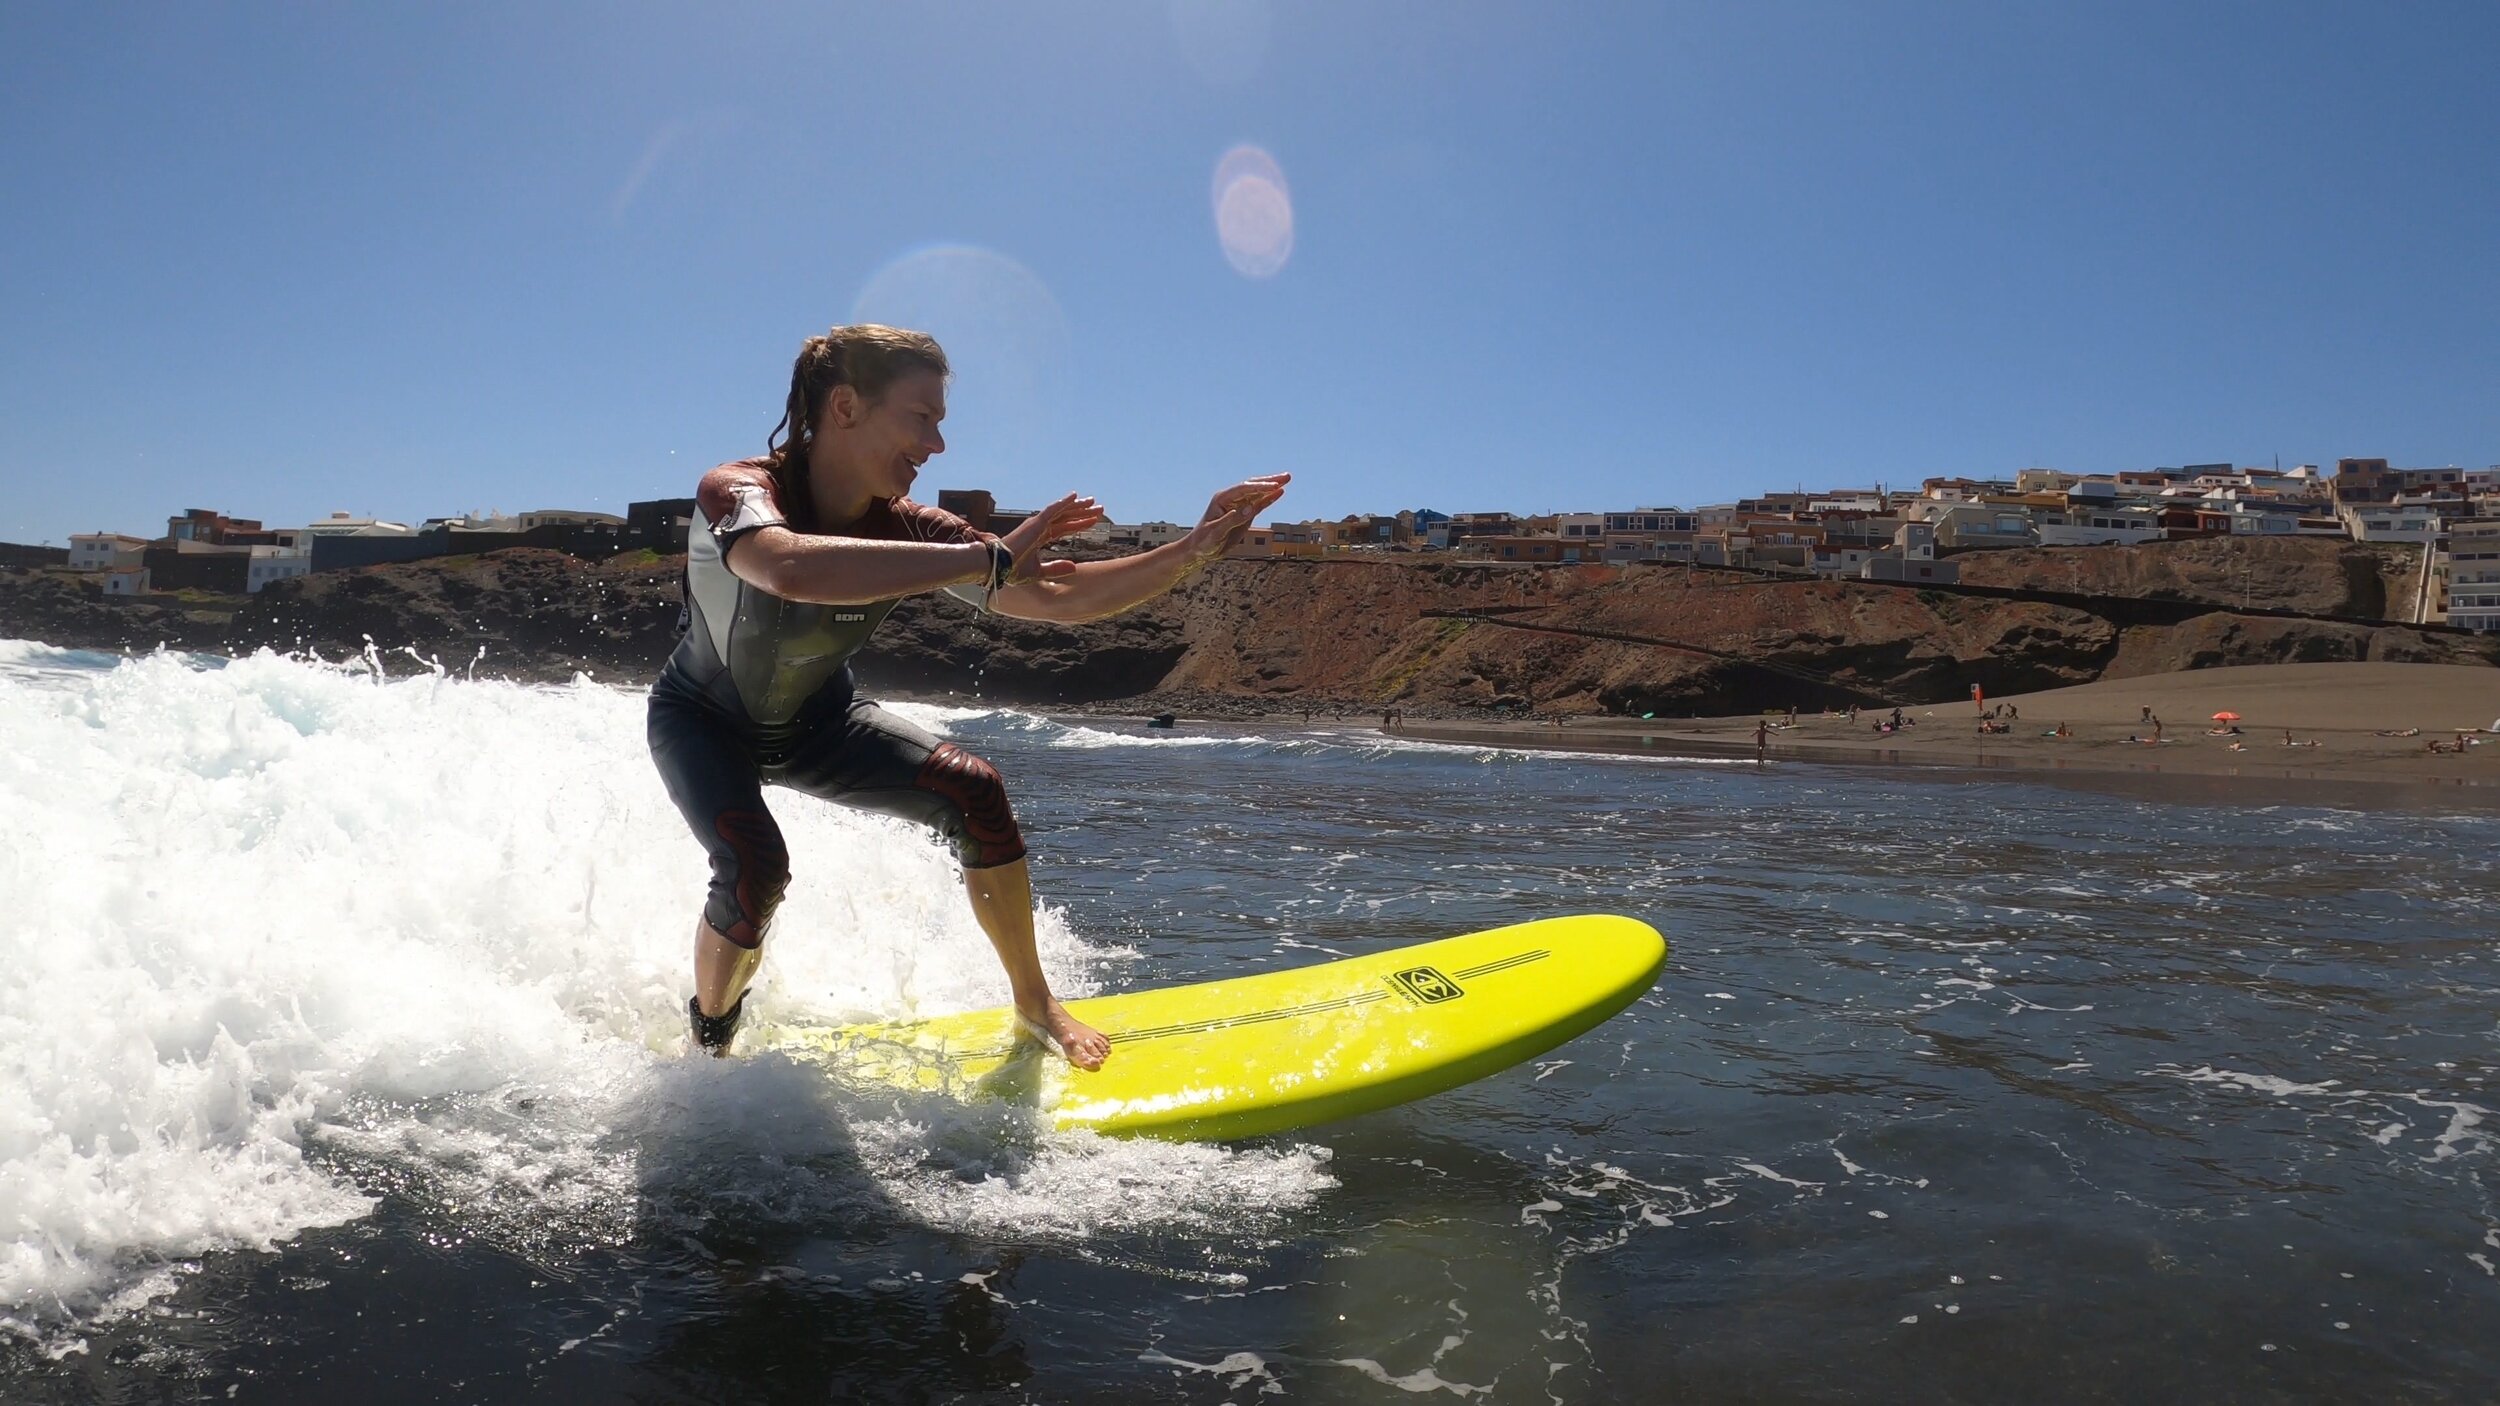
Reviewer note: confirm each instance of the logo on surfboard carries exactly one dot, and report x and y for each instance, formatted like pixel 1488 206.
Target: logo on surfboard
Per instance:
pixel 1427 985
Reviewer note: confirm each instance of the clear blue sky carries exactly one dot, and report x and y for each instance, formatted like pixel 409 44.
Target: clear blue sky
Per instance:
pixel 419 259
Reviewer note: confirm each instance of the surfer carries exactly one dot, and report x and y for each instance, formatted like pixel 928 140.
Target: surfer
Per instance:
pixel 793 560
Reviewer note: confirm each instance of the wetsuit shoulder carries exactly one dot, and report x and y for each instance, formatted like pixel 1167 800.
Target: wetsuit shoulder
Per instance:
pixel 737 498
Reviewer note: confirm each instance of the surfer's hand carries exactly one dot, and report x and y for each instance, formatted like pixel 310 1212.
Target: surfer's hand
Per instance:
pixel 1058 522
pixel 1083 1045
pixel 1230 514
pixel 1238 506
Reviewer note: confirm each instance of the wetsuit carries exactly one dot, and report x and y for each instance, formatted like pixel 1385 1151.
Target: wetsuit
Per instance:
pixel 759 690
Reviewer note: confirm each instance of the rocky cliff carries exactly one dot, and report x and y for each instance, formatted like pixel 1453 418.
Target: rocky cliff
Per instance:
pixel 1429 635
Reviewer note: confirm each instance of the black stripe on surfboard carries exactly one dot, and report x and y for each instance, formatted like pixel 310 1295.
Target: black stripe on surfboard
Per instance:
pixel 1200 1027
pixel 1505 964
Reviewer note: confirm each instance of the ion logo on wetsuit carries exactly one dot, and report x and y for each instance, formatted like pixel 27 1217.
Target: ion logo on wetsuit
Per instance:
pixel 759 690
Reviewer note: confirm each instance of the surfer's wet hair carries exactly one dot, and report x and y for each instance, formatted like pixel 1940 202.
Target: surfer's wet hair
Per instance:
pixel 866 356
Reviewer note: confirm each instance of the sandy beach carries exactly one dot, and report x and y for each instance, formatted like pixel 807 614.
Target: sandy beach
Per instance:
pixel 2368 722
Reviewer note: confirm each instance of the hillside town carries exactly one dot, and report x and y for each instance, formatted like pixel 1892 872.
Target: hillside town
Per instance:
pixel 1880 534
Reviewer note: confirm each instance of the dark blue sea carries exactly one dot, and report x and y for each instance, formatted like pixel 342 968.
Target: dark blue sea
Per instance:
pixel 342 1015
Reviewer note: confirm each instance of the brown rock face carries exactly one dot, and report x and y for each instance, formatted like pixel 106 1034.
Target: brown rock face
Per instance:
pixel 68 608
pixel 1607 639
pixel 2313 575
pixel 2214 641
pixel 1363 634
pixel 536 614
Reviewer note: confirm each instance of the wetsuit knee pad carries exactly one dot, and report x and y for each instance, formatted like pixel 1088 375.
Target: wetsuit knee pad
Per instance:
pixel 750 872
pixel 982 826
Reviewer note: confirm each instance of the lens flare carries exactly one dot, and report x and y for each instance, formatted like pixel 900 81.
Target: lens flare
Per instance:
pixel 1007 340
pixel 1253 212
pixel 1223 41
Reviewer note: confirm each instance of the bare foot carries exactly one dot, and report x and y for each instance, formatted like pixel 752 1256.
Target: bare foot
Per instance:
pixel 1083 1045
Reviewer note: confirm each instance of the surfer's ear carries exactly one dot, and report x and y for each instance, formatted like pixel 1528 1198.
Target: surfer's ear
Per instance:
pixel 843 407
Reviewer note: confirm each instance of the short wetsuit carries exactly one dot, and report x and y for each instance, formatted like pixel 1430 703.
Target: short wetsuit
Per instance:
pixel 759 690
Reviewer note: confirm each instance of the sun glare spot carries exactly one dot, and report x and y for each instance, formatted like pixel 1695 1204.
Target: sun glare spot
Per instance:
pixel 1223 41
pixel 1253 212
pixel 1005 336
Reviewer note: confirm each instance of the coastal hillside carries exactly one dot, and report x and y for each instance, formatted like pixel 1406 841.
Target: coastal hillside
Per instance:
pixel 1428 635
pixel 2313 575
pixel 1678 641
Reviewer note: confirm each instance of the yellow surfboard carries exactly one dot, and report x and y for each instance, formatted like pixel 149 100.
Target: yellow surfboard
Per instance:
pixel 1261 1054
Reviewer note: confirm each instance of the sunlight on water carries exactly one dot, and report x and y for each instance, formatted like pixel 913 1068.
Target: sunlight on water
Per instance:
pixel 277 938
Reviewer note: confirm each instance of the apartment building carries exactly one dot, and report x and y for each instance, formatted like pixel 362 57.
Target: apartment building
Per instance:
pixel 2370 481
pixel 1645 521
pixel 2102 526
pixel 105 551
pixel 270 563
pixel 2474 575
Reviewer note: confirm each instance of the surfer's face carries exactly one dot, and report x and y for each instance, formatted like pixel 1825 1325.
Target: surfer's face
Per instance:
pixel 890 439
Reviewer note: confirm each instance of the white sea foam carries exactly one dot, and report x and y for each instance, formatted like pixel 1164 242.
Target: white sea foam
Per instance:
pixel 1091 738
pixel 30 652
pixel 277 939
pixel 2273 1084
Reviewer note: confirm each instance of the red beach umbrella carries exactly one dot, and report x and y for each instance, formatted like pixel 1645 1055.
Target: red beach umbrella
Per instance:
pixel 2226 716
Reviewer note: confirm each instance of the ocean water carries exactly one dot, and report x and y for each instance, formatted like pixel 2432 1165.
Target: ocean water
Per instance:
pixel 342 1013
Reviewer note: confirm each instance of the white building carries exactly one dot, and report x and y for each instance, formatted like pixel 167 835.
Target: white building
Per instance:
pixel 2092 527
pixel 276 564
pixel 1650 521
pixel 2386 522
pixel 105 551
pixel 345 525
pixel 1146 534
pixel 474 520
pixel 1579 526
pixel 1833 560
pixel 1966 525
pixel 2474 575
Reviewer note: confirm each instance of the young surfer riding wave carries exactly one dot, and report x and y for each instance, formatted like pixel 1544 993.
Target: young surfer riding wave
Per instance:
pixel 793 560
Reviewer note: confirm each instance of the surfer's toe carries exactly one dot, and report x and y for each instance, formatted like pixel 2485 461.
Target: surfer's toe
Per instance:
pixel 1083 1045
pixel 1085 1048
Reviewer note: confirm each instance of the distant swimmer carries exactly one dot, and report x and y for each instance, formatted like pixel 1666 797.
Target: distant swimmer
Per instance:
pixel 793 560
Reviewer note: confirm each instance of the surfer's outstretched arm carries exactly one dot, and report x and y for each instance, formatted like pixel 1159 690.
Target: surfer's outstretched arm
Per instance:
pixel 1073 592
pixel 833 569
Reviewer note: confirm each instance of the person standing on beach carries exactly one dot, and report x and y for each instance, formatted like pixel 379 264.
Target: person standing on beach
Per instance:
pixel 792 562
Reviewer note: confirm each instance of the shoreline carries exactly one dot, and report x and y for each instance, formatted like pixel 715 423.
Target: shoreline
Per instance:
pixel 2360 728
pixel 2362 731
